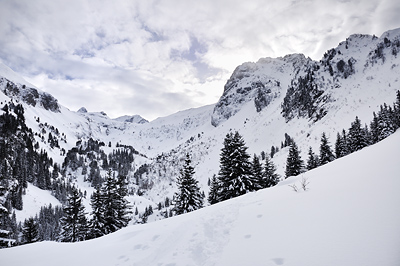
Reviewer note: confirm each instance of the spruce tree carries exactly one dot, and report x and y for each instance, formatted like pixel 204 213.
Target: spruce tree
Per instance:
pixel 30 231
pixel 188 197
pixel 96 223
pixel 356 137
pixel 269 176
pixel 325 152
pixel 74 223
pixel 213 194
pixel 115 206
pixel 313 160
pixel 294 163
pixel 257 172
pixel 235 168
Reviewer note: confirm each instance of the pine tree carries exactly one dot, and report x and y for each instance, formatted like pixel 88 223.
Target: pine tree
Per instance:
pixel 96 223
pixel 30 231
pixel 313 160
pixel 213 194
pixel 386 125
pixel 257 172
pixel 269 176
pixel 74 223
pixel 356 137
pixel 115 206
pixel 235 168
pixel 188 198
pixel 396 110
pixel 294 163
pixel 325 152
pixel 374 126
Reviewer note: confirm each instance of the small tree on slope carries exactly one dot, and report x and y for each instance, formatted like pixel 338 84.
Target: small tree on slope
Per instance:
pixel 213 194
pixel 269 176
pixel 188 198
pixel 294 163
pixel 325 152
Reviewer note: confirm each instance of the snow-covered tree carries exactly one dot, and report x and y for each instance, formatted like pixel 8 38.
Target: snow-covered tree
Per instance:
pixel 74 223
pixel 325 152
pixel 294 163
pixel 188 197
pixel 257 172
pixel 357 138
pixel 96 223
pixel 116 209
pixel 213 194
pixel 313 160
pixel 235 168
pixel 269 176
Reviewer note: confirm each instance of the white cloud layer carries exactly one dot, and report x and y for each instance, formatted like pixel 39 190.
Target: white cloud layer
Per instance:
pixel 156 57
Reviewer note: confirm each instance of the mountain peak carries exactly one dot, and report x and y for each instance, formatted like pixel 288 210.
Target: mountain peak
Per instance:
pixel 137 119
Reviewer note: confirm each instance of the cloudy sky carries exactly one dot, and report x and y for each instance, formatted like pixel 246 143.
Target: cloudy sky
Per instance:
pixel 156 57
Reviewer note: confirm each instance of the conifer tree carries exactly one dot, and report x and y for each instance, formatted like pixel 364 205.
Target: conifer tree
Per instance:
pixel 386 125
pixel 235 169
pixel 294 163
pixel 313 160
pixel 115 207
pixel 74 223
pixel 96 223
pixel 188 198
pixel 30 230
pixel 213 194
pixel 374 126
pixel 257 172
pixel 356 137
pixel 269 176
pixel 325 152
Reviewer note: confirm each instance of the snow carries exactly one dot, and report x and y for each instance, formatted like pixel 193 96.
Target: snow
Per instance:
pixel 5 71
pixel 347 216
pixel 33 200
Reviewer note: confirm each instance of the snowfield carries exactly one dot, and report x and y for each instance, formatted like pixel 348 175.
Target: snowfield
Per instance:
pixel 349 215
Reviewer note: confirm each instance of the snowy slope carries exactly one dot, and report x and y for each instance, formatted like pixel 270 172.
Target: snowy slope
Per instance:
pixel 251 104
pixel 348 216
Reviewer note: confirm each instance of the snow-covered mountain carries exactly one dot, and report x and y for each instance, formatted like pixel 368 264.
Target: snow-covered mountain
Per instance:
pixel 347 216
pixel 263 101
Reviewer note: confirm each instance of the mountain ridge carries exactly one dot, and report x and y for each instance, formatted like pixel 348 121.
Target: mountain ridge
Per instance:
pixel 252 103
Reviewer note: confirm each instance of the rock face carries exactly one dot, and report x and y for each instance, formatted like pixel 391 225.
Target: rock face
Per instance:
pixel 306 88
pixel 137 119
pixel 29 95
pixel 260 82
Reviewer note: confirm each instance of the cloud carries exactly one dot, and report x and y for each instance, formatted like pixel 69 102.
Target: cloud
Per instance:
pixel 158 57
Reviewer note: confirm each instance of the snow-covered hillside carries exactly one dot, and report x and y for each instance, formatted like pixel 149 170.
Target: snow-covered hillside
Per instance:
pixel 347 216
pixel 260 100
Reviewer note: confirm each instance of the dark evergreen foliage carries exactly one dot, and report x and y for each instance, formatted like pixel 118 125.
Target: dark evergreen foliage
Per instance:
pixel 269 176
pixel 325 152
pixel 214 188
pixel 188 198
pixel 30 231
pixel 257 172
pixel 235 169
pixel 294 163
pixel 73 223
pixel 313 160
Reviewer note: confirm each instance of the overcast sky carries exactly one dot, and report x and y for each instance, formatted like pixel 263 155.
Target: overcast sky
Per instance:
pixel 155 58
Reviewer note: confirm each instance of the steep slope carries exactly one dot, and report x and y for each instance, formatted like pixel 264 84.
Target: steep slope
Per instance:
pixel 344 218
